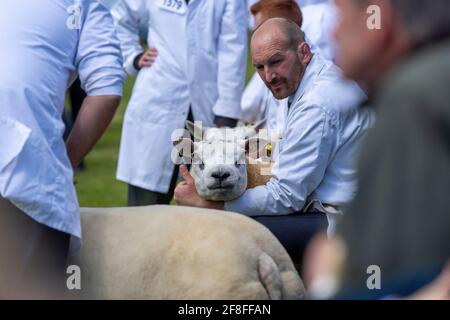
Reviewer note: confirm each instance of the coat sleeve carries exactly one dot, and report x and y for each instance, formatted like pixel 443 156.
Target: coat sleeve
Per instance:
pixel 232 59
pixel 98 58
pixel 128 16
pixel 307 150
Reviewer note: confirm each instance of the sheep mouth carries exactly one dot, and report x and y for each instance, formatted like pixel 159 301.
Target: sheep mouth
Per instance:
pixel 221 187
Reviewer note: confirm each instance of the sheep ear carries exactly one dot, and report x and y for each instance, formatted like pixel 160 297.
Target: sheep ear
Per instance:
pixel 195 130
pixel 252 131
pixel 259 125
pixel 255 148
pixel 185 147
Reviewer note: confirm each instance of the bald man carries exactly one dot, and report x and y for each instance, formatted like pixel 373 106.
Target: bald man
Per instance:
pixel 320 129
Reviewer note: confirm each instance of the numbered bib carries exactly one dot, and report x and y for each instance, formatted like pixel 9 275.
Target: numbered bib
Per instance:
pixel 176 6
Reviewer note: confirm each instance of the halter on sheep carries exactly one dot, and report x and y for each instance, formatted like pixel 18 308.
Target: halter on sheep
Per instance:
pixel 221 159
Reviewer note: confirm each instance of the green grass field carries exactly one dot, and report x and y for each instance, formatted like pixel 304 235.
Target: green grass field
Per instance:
pixel 97 185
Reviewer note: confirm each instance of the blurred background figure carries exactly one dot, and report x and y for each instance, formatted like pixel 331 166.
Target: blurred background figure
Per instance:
pixel 400 220
pixel 316 18
pixel 194 68
pixel 319 23
pixel 301 4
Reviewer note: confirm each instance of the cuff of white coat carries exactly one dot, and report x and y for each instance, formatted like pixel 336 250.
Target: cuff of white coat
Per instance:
pixel 228 109
pixel 251 203
pixel 129 64
pixel 115 90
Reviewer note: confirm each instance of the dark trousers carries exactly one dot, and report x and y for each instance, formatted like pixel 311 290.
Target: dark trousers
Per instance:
pixel 295 231
pixel 77 96
pixel 32 257
pixel 141 197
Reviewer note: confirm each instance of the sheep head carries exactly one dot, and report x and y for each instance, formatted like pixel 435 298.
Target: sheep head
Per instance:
pixel 218 158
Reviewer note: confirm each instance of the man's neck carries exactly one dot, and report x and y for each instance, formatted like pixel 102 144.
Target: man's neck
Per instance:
pixel 302 77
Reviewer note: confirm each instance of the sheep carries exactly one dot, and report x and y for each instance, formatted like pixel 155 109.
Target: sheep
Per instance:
pixel 169 252
pixel 225 162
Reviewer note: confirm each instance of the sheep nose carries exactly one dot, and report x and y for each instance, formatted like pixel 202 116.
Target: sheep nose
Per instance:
pixel 221 176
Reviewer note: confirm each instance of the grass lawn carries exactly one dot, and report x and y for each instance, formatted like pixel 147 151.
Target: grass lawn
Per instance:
pixel 97 185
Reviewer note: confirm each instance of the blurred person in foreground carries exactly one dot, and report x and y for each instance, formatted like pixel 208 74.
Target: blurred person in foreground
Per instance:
pixel 399 222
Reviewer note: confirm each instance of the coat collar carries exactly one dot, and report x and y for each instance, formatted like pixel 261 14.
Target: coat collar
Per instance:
pixel 314 68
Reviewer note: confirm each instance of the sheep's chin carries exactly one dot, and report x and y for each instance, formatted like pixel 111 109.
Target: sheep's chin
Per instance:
pixel 221 194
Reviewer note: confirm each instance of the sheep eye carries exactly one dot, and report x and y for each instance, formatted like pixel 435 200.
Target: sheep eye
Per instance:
pixel 201 166
pixel 237 164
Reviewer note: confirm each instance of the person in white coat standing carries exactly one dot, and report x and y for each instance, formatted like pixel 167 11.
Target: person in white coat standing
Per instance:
pixel 199 70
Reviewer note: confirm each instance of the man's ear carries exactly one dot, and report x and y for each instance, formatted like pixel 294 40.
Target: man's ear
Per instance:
pixel 304 53
pixel 195 130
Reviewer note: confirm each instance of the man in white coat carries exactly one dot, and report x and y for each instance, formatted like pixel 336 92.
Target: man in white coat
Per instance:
pixel 45 45
pixel 315 171
pixel 317 20
pixel 199 71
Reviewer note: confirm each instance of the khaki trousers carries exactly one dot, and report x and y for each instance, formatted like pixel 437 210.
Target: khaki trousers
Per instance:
pixel 32 256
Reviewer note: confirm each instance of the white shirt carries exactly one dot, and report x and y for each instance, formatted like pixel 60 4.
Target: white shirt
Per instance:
pixel 201 64
pixel 317 151
pixel 42 51
pixel 319 22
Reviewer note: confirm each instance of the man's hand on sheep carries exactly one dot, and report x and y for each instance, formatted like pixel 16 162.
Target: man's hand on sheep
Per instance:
pixel 186 193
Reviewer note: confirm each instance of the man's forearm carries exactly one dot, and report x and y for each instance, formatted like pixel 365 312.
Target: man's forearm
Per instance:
pixel 94 117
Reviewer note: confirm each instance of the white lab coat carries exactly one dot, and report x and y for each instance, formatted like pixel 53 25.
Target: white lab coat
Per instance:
pixel 202 55
pixel 319 22
pixel 42 52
